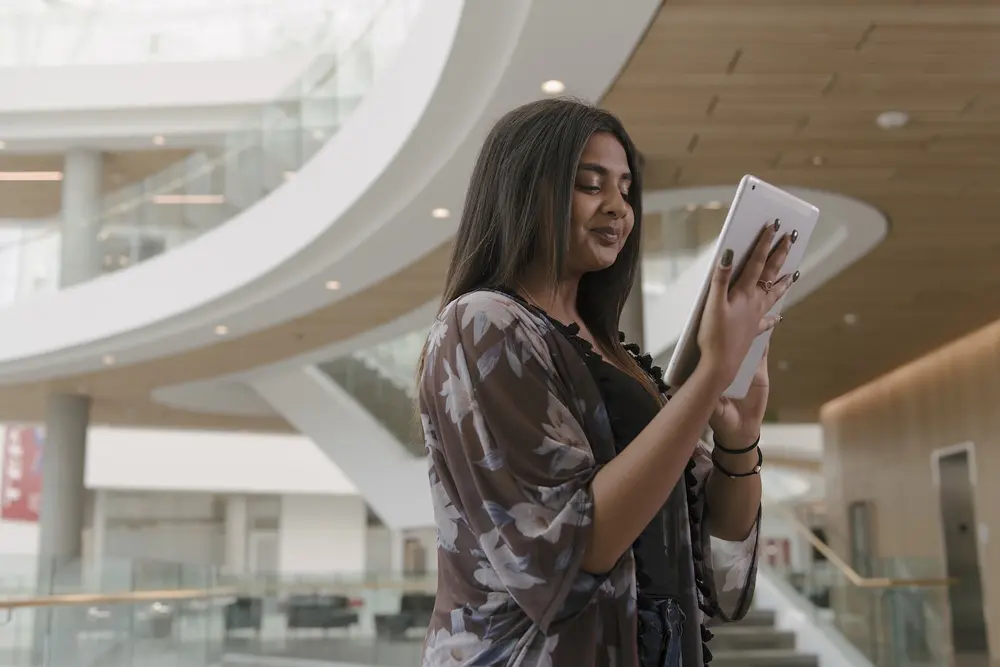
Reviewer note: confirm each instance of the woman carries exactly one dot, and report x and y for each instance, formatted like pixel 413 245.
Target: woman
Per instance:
pixel 573 501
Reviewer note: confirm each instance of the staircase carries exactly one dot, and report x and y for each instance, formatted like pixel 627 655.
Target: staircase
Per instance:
pixel 756 642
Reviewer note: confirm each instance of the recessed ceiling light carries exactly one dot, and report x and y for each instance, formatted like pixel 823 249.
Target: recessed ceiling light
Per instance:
pixel 108 359
pixel 691 207
pixel 818 160
pixel 159 140
pixel 221 330
pixel 713 205
pixel 891 120
pixel 30 176
pixel 441 213
pixel 333 285
pixel 850 319
pixel 553 87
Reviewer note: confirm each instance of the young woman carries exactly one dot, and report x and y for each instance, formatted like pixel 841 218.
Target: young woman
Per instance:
pixel 573 500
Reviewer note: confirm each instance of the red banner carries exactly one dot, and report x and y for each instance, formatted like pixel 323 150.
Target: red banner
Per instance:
pixel 22 473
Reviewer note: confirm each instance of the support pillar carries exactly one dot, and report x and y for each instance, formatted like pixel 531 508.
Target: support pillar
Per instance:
pixel 236 535
pixel 63 507
pixel 632 320
pixel 80 253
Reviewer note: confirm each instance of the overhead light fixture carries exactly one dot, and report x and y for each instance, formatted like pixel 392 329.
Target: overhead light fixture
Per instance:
pixel 440 213
pixel 892 120
pixel 108 359
pixel 159 140
pixel 553 87
pixel 31 176
pixel 221 330
pixel 333 285
pixel 189 199
pixel 818 161
pixel 713 205
pixel 691 208
pixel 850 319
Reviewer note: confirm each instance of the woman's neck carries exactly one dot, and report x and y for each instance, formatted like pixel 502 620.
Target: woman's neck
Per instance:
pixel 558 300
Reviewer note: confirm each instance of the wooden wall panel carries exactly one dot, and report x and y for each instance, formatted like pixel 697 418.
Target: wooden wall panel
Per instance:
pixel 878 442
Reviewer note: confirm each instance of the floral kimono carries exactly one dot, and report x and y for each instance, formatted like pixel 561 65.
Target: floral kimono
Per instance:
pixel 516 429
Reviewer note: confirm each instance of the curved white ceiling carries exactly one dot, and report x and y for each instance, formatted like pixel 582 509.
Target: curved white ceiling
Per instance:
pixel 367 194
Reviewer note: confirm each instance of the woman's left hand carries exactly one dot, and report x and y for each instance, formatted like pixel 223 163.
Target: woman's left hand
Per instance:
pixel 736 422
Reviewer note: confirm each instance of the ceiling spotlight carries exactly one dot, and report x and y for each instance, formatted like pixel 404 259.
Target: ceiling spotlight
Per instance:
pixel 818 160
pixel 333 285
pixel 891 120
pixel 159 140
pixel 221 330
pixel 553 87
pixel 440 213
pixel 108 359
pixel 850 319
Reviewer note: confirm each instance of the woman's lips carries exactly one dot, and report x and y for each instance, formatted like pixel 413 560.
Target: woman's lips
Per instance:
pixel 606 235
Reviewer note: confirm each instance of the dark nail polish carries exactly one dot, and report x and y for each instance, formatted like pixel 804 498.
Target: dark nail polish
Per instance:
pixel 727 258
pixel 795 235
pixel 795 276
pixel 777 224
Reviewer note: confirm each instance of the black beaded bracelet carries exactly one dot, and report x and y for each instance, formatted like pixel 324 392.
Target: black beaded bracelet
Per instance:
pixel 738 475
pixel 746 450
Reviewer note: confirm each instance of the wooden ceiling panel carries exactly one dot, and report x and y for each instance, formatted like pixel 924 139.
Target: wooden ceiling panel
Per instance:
pixel 797 105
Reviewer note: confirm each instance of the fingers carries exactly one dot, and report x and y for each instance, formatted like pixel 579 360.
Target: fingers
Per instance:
pixel 767 323
pixel 758 258
pixel 779 289
pixel 777 257
pixel 719 290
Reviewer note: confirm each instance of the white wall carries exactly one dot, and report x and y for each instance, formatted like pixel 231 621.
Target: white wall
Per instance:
pixel 210 461
pixel 322 535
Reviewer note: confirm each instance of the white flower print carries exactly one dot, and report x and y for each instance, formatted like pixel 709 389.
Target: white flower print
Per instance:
pixel 430 435
pixel 502 570
pixel 444 649
pixel 456 390
pixel 734 559
pixel 485 310
pixel 434 338
pixel 446 517
pixel 564 441
pixel 535 521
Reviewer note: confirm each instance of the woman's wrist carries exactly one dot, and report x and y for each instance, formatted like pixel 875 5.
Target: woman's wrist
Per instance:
pixel 737 443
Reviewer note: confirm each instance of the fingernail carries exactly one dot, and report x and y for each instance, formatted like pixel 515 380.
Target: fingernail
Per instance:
pixel 777 224
pixel 795 235
pixel 795 276
pixel 727 258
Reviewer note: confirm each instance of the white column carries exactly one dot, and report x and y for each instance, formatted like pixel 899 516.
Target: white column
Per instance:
pixel 397 553
pixel 98 526
pixel 63 495
pixel 632 319
pixel 83 173
pixel 236 534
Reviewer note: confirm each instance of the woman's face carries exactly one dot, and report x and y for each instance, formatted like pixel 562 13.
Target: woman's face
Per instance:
pixel 601 218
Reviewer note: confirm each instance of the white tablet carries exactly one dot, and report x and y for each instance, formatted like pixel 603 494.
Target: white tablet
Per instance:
pixel 755 205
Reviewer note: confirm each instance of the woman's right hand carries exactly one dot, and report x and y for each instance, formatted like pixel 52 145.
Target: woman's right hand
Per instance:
pixel 736 312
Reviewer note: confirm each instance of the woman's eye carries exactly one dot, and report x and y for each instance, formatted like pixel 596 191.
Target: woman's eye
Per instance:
pixel 594 189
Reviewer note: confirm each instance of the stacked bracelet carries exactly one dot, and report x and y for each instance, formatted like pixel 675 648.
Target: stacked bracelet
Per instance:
pixel 737 475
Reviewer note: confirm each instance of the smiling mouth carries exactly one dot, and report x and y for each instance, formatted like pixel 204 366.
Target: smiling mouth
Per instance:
pixel 607 235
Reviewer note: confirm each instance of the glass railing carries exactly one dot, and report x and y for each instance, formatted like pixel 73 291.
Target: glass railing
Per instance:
pixel 57 34
pixel 210 186
pixel 893 616
pixel 203 617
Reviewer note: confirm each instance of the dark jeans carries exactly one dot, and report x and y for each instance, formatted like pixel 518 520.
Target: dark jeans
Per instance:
pixel 661 623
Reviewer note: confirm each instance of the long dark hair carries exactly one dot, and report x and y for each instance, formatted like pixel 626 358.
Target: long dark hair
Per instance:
pixel 519 202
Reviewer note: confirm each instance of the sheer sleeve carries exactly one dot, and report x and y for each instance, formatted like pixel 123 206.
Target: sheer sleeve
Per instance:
pixel 518 461
pixel 728 570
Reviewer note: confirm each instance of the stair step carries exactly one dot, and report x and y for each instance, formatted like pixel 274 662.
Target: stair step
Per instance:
pixel 733 637
pixel 757 618
pixel 763 658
